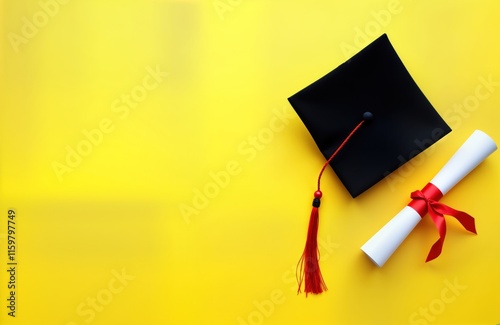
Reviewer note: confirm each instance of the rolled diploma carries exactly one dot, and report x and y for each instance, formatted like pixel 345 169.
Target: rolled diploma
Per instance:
pixel 383 244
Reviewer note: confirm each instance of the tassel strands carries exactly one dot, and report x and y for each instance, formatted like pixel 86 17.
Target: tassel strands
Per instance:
pixel 308 271
pixel 308 266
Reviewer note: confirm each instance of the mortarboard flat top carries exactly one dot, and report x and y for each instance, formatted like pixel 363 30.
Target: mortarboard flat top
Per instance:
pixel 404 122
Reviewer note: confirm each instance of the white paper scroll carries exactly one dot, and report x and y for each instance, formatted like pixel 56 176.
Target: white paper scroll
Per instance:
pixel 477 147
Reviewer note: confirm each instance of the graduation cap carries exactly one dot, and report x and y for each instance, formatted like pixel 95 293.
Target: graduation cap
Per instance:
pixel 364 115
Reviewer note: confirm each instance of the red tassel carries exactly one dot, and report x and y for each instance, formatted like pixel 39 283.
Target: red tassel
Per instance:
pixel 308 265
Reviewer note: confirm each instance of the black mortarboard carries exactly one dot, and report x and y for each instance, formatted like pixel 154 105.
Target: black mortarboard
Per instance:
pixel 364 116
pixel 404 122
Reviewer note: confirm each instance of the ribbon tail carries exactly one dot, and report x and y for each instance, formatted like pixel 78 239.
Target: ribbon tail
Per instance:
pixel 437 211
pixel 435 250
pixel 440 224
pixel 465 219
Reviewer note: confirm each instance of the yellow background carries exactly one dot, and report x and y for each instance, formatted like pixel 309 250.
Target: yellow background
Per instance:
pixel 132 206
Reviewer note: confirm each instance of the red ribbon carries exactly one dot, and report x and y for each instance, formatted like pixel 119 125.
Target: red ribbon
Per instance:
pixel 425 201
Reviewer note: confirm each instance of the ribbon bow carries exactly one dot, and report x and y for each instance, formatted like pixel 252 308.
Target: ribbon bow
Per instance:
pixel 427 201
